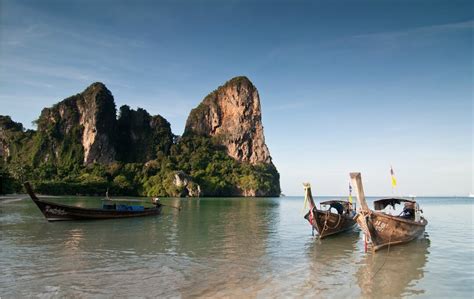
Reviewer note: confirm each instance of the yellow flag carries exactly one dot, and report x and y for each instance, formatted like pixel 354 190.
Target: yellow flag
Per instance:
pixel 394 181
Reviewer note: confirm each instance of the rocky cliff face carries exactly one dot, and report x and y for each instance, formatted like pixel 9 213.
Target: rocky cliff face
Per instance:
pixel 98 117
pixel 186 186
pixel 84 129
pixel 222 152
pixel 142 136
pixel 232 114
pixel 82 126
pixel 8 131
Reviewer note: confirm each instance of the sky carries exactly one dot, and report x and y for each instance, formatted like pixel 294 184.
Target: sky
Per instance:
pixel 344 85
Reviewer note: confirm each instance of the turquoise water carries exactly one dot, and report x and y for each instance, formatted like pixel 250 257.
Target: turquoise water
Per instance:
pixel 218 247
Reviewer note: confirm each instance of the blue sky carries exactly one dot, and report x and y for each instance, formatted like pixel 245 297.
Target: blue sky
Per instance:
pixel 344 85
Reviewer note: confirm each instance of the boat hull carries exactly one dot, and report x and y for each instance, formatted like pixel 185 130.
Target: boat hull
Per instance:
pixel 384 230
pixel 58 212
pixel 327 223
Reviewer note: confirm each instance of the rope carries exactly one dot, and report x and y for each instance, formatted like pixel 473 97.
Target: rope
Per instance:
pixel 326 226
pixel 338 220
pixel 385 259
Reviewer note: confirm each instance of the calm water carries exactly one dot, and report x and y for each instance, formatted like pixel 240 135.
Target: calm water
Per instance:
pixel 228 248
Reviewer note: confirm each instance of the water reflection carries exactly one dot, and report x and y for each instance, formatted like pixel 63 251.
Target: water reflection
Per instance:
pixel 333 248
pixel 330 264
pixel 225 248
pixel 394 273
pixel 73 239
pixel 227 241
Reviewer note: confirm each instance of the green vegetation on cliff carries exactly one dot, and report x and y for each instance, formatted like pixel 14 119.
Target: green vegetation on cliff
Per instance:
pixel 205 162
pixel 142 136
pixel 82 147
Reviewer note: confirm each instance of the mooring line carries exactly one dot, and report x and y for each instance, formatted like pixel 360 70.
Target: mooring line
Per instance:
pixel 388 252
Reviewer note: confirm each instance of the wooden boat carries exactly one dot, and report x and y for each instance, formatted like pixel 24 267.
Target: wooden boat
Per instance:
pixel 325 221
pixel 383 229
pixel 55 211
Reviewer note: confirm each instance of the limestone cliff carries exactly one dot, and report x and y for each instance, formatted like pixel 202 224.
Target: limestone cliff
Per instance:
pixel 232 114
pixel 81 147
pixel 186 187
pixel 142 136
pixel 80 127
pixel 98 117
pixel 9 130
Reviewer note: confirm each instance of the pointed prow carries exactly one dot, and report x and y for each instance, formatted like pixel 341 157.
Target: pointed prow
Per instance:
pixel 356 179
pixel 307 187
pixel 29 189
pixel 308 196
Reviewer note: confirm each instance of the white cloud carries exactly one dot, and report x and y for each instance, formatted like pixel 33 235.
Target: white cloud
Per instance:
pixel 425 30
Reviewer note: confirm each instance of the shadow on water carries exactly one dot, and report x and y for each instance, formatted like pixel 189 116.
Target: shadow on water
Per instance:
pixel 393 273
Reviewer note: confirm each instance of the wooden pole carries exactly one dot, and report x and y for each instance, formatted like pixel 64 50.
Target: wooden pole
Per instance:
pixel 356 179
pixel 309 195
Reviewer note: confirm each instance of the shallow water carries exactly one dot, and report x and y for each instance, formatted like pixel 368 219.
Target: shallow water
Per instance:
pixel 222 247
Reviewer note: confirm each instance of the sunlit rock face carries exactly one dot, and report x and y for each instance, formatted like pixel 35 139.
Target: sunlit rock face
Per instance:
pixel 87 119
pixel 221 153
pixel 233 116
pixel 98 117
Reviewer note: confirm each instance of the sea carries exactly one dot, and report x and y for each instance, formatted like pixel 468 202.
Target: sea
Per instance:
pixel 228 248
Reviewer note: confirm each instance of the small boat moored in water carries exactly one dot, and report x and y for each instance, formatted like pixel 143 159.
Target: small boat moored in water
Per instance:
pixel 325 221
pixel 383 229
pixel 55 211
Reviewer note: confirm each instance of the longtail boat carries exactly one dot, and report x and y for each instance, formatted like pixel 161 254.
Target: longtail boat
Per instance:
pixel 55 211
pixel 324 220
pixel 383 229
